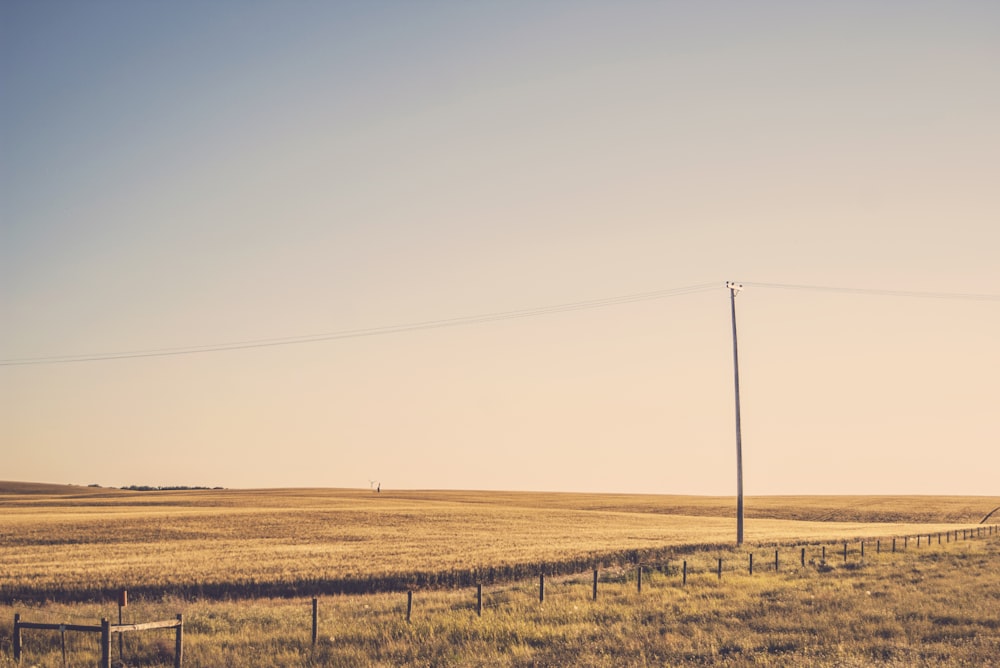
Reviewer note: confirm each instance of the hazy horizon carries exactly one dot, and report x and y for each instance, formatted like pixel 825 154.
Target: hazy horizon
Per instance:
pixel 189 175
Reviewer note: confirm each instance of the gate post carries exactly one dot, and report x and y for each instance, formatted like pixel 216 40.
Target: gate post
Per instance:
pixel 179 648
pixel 105 643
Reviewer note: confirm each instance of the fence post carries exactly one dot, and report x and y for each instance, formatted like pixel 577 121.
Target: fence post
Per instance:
pixel 105 643
pixel 720 568
pixel 122 602
pixel 179 641
pixel 878 546
pixel 315 620
pixel 409 605
pixel 845 551
pixel 541 587
pixel 17 638
pixel 479 599
pixel 862 549
pixel 684 576
pixel 775 561
pixel 906 542
pixel 595 584
pixel 824 554
pixel 803 557
pixel 918 540
pixel 638 578
pixel 751 563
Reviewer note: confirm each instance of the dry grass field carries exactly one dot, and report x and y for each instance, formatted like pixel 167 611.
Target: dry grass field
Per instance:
pixel 242 565
pixel 79 543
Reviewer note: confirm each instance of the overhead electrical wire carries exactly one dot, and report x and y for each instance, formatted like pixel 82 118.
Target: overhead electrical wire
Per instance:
pixel 878 292
pixel 479 319
pixel 370 331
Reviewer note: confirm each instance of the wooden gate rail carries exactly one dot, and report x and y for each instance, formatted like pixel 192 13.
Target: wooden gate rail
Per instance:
pixel 105 629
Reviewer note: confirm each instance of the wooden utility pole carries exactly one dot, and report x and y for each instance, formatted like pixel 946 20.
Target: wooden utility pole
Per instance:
pixel 733 289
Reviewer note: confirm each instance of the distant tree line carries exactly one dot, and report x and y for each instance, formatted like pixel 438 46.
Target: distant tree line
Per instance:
pixel 167 488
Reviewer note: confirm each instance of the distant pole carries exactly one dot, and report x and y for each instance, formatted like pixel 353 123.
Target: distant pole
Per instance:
pixel 733 289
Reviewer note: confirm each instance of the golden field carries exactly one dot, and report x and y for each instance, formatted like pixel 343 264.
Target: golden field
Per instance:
pixel 66 549
pixel 79 543
pixel 936 607
pixel 242 566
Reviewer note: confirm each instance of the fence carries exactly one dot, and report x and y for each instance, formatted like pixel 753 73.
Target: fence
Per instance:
pixel 718 569
pixel 667 567
pixel 105 629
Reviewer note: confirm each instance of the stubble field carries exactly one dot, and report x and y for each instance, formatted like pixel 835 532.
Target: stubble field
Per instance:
pixel 243 565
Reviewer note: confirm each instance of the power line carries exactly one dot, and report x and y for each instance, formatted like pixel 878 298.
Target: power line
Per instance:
pixel 478 319
pixel 878 292
pixel 371 331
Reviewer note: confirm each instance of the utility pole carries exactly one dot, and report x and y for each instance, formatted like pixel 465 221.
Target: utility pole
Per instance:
pixel 733 289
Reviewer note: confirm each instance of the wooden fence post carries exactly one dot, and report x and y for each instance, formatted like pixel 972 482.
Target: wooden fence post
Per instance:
pixel 878 546
pixel 775 561
pixel 409 605
pixel 479 599
pixel 595 584
pixel 803 557
pixel 845 551
pixel 894 545
pixel 862 549
pixel 541 587
pixel 638 578
pixel 105 643
pixel 179 641
pixel 684 576
pixel 918 540
pixel 751 563
pixel 315 620
pixel 720 568
pixel 906 542
pixel 17 638
pixel 824 554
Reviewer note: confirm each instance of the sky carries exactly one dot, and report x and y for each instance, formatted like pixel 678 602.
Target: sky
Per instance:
pixel 183 175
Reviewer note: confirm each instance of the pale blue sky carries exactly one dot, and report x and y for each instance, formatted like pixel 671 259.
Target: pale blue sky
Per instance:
pixel 179 174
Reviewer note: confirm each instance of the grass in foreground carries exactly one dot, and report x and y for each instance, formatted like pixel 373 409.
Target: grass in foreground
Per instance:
pixel 934 606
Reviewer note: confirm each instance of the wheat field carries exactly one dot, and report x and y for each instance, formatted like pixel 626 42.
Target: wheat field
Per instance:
pixel 242 566
pixel 79 543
